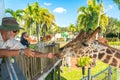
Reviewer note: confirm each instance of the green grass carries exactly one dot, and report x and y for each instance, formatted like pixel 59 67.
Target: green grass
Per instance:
pixel 76 74
pixel 115 43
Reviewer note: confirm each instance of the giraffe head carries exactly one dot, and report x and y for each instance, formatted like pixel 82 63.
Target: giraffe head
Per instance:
pixel 88 45
pixel 80 45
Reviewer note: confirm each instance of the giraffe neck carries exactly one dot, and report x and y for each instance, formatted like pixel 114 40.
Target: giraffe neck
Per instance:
pixel 108 55
pixel 74 41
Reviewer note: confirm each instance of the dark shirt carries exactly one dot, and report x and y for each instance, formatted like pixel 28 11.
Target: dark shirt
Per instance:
pixel 25 42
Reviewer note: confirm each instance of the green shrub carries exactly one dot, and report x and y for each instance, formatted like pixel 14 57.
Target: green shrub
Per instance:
pixel 113 39
pixel 84 61
pixel 32 46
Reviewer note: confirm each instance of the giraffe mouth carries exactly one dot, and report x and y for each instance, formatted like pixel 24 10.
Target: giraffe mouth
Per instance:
pixel 84 44
pixel 59 55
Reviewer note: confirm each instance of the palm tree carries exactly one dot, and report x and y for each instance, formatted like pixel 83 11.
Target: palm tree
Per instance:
pixel 16 14
pixel 47 20
pixel 27 17
pixel 43 18
pixel 54 29
pixel 72 28
pixel 40 17
pixel 88 17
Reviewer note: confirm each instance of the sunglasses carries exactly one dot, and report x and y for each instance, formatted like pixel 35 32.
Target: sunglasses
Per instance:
pixel 15 31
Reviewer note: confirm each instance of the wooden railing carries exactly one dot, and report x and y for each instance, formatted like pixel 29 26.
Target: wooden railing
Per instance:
pixel 51 69
pixel 34 68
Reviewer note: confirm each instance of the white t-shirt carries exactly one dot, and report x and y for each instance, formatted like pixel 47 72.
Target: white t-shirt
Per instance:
pixel 11 44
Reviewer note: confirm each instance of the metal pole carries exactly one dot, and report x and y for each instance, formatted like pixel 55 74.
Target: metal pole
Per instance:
pixel 92 78
pixel 53 74
pixel 110 73
pixel 89 73
pixel 83 72
pixel 11 70
pixel 99 14
pixel 59 78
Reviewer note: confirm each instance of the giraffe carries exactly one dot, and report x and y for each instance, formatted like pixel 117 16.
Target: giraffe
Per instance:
pixel 71 44
pixel 91 47
pixel 79 37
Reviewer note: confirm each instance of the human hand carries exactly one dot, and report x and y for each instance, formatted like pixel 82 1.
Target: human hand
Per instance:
pixel 29 52
pixel 59 55
pixel 50 55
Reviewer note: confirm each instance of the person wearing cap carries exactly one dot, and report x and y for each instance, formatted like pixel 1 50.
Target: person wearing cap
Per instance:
pixel 8 30
pixel 10 47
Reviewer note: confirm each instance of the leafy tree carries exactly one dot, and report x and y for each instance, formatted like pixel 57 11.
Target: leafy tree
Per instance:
pixel 63 29
pixel 28 20
pixel 54 30
pixel 40 17
pixel 16 14
pixel 88 16
pixel 47 20
pixel 112 27
pixel 72 28
pixel 117 3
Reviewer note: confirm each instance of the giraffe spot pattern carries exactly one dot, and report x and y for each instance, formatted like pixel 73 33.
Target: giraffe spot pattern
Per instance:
pixel 103 50
pixel 114 62
pixel 106 60
pixel 94 55
pixel 95 50
pixel 76 51
pixel 87 51
pixel 117 54
pixel 113 51
pixel 108 51
pixel 100 55
pixel 108 57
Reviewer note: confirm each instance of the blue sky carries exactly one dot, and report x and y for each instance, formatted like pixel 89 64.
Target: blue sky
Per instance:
pixel 65 11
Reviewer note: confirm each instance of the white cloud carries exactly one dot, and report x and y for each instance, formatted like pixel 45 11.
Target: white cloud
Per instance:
pixel 47 4
pixel 59 10
pixel 110 6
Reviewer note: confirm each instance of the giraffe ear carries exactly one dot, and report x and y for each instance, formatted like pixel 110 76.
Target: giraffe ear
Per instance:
pixel 89 31
pixel 80 35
